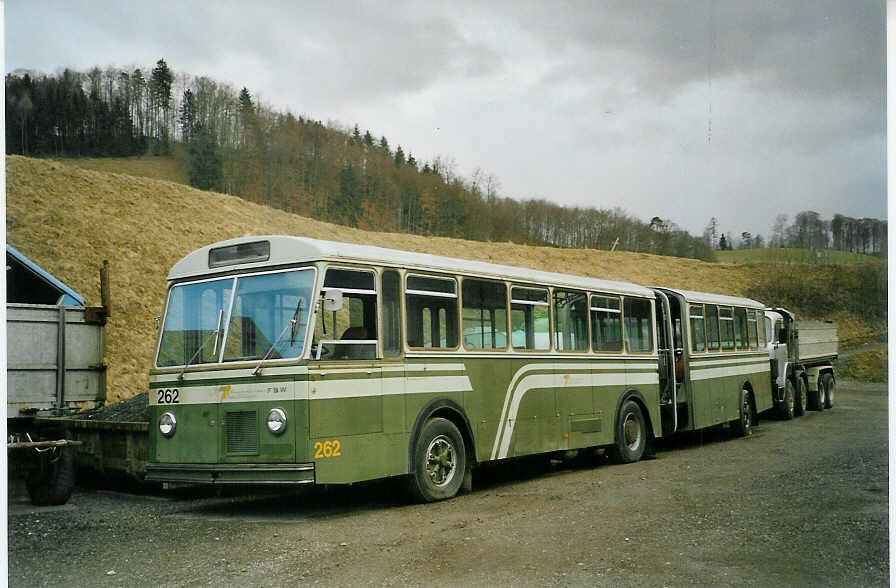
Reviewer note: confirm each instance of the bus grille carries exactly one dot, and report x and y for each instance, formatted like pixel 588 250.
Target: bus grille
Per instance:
pixel 242 431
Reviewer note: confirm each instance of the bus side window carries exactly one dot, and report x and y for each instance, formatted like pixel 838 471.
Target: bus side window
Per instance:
pixel 570 321
pixel 530 321
pixel 391 297
pixel 350 332
pixel 698 334
pixel 606 323
pixel 726 327
pixel 431 305
pixel 484 314
pixel 638 325
pixel 712 327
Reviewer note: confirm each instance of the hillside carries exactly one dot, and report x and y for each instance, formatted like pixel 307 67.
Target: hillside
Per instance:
pixel 69 219
pixel 796 255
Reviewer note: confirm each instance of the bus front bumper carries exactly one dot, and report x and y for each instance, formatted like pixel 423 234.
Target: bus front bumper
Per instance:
pixel 227 473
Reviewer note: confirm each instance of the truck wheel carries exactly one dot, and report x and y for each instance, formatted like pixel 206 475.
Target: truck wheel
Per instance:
pixel 440 461
pixel 787 408
pixel 817 400
pixel 829 385
pixel 743 426
pixel 51 484
pixel 801 399
pixel 631 434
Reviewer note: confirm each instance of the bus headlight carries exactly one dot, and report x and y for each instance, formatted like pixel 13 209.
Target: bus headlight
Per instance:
pixel 167 424
pixel 276 421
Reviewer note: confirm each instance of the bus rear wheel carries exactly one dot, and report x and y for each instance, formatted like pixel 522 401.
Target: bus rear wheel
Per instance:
pixel 440 461
pixel 743 426
pixel 631 434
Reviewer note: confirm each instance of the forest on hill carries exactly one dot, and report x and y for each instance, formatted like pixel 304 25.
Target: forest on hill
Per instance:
pixel 234 145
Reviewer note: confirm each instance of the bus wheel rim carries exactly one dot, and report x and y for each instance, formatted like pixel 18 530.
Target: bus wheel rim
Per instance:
pixel 441 461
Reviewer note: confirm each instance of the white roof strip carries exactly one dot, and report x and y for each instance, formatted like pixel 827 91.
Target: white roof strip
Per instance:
pixel 709 298
pixel 286 250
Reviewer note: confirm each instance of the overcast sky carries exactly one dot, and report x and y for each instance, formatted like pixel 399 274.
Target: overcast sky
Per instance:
pixel 683 110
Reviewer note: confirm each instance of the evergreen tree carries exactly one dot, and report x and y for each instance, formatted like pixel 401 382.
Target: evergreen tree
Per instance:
pixel 399 156
pixel 204 161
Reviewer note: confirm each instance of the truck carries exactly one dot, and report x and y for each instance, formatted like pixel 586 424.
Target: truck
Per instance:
pixel 802 355
pixel 55 367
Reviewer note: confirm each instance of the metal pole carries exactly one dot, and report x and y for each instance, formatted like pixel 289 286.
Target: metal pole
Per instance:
pixel 60 361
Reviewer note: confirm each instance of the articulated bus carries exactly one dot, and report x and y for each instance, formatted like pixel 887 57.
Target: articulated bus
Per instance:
pixel 287 360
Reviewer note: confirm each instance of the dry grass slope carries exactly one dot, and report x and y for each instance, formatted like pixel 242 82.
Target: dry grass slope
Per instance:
pixel 69 219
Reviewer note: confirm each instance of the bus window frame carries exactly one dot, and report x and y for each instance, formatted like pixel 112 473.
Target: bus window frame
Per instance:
pixel 745 342
pixel 380 314
pixel 651 321
pixel 359 268
pixel 455 296
pixel 554 331
pixel 510 301
pixel 233 277
pixel 506 316
pixel 618 297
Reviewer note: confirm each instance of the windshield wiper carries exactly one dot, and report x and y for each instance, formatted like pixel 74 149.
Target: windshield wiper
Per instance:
pixel 217 330
pixel 293 324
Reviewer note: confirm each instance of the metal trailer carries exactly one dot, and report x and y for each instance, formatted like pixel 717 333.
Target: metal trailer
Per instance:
pixel 802 355
pixel 55 367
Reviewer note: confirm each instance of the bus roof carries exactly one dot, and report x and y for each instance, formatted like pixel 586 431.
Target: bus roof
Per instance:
pixel 709 298
pixel 287 250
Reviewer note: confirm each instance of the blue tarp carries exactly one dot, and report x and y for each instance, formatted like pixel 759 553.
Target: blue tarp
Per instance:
pixel 68 296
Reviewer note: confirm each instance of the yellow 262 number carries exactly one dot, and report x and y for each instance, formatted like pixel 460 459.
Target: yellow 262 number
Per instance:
pixel 327 449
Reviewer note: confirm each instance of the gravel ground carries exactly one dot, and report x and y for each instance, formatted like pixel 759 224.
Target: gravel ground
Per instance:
pixel 798 503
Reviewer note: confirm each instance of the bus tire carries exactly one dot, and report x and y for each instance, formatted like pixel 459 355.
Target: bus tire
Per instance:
pixel 787 409
pixel 52 482
pixel 829 387
pixel 631 434
pixel 440 461
pixel 743 425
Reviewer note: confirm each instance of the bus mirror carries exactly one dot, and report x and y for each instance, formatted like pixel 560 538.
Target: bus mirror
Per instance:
pixel 333 300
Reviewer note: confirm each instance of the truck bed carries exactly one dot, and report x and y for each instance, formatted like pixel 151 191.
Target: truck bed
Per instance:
pixel 818 341
pixel 37 337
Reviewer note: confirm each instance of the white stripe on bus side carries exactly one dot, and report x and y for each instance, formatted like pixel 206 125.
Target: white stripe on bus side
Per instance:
pixel 521 382
pixel 736 370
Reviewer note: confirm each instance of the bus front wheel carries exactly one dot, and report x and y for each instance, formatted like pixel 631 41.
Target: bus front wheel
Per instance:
pixel 440 461
pixel 631 434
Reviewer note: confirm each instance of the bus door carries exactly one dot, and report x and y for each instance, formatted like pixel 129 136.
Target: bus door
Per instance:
pixel 668 380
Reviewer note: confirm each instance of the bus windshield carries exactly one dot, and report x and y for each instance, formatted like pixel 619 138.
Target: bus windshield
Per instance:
pixel 200 315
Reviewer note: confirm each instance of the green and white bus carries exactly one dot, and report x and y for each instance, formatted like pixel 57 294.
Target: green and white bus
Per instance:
pixel 288 360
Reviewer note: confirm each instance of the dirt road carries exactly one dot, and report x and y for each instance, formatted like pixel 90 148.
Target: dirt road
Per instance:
pixel 798 503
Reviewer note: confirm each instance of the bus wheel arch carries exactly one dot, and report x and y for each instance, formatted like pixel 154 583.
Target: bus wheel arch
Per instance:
pixel 441 410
